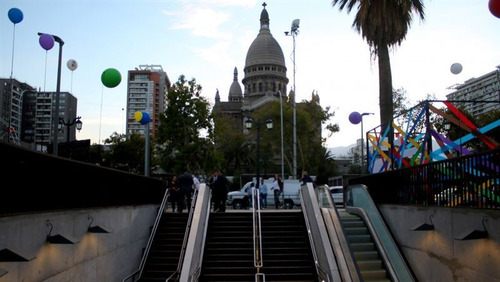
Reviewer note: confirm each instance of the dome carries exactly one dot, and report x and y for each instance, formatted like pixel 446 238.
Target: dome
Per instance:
pixel 264 49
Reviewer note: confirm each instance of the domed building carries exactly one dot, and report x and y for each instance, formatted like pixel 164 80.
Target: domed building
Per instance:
pixel 264 80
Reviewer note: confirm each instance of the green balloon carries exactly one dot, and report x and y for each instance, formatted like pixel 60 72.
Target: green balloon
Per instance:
pixel 111 78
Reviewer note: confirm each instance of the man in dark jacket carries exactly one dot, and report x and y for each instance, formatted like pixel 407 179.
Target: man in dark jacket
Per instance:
pixel 186 188
pixel 221 188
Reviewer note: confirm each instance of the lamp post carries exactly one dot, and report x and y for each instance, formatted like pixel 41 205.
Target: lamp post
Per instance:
pixel 76 121
pixel 55 116
pixel 294 31
pixel 248 125
pixel 282 149
pixel 362 142
pixel 356 118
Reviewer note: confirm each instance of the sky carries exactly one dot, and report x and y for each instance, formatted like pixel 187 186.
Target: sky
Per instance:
pixel 207 39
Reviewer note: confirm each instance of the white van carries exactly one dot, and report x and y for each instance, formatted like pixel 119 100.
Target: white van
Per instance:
pixel 288 199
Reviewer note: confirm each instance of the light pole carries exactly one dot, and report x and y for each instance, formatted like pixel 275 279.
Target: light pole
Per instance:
pixel 282 150
pixel 76 121
pixel 55 116
pixel 362 142
pixel 248 125
pixel 356 118
pixel 294 31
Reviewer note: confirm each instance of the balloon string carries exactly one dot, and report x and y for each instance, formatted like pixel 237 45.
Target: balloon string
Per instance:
pixel 45 75
pixel 100 117
pixel 71 88
pixel 12 63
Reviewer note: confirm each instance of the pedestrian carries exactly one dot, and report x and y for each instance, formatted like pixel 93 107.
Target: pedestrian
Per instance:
pixel 277 189
pixel 211 184
pixel 250 194
pixel 173 188
pixel 186 187
pixel 263 194
pixel 306 178
pixel 196 181
pixel 221 187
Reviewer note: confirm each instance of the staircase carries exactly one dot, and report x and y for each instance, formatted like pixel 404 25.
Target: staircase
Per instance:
pixel 363 247
pixel 163 257
pixel 287 254
pixel 229 256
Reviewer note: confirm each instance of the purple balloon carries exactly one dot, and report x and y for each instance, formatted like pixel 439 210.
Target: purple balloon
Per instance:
pixel 46 41
pixel 355 117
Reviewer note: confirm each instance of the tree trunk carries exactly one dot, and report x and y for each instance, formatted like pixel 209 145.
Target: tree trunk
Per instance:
pixel 385 93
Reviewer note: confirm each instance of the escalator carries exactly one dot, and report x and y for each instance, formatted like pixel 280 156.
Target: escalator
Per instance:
pixel 359 246
pixel 163 257
pixel 363 247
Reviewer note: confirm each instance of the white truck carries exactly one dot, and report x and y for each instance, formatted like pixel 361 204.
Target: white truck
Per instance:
pixel 288 199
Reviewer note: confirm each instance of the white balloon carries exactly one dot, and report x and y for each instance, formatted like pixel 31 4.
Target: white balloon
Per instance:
pixel 456 68
pixel 72 64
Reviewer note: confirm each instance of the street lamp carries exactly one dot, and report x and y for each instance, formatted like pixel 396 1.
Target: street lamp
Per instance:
pixel 55 116
pixel 356 118
pixel 294 30
pixel 269 125
pixel 76 121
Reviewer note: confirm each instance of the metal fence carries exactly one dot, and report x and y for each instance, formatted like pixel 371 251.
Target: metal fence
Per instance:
pixel 467 181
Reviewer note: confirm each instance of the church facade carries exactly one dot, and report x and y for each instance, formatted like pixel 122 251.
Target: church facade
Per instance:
pixel 264 77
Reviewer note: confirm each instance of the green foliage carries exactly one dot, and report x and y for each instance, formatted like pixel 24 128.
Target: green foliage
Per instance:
pixel 187 114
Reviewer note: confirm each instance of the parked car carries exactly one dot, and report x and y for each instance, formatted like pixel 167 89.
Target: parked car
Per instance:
pixel 337 194
pixel 289 199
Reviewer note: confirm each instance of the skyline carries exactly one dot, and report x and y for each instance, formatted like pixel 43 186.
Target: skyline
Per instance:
pixel 205 40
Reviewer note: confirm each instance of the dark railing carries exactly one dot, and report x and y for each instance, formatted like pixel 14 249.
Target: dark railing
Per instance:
pixel 467 181
pixel 38 182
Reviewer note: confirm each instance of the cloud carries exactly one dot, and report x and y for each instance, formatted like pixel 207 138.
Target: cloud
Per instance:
pixel 205 18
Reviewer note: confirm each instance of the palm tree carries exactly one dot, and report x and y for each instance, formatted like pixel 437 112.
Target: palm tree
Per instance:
pixel 383 24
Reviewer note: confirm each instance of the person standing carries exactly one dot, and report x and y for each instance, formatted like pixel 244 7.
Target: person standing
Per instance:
pixel 221 187
pixel 196 181
pixel 211 184
pixel 277 189
pixel 173 187
pixel 263 194
pixel 306 178
pixel 186 185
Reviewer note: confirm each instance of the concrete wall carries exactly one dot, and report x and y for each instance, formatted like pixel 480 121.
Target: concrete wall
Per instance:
pixel 436 255
pixel 96 257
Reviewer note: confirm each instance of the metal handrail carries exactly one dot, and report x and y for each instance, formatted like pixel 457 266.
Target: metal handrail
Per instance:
pixel 177 272
pixel 257 235
pixel 150 240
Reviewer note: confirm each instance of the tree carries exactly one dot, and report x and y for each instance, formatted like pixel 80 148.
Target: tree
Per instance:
pixel 383 24
pixel 187 114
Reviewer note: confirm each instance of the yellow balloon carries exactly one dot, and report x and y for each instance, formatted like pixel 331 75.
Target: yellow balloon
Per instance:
pixel 138 116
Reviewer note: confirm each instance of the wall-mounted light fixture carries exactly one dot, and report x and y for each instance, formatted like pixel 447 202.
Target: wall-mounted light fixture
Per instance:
pixel 3 272
pixel 95 228
pixel 58 238
pixel 424 226
pixel 7 255
pixel 475 234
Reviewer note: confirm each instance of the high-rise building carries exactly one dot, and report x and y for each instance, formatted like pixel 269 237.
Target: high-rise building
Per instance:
pixel 26 115
pixel 479 95
pixel 11 107
pixel 147 88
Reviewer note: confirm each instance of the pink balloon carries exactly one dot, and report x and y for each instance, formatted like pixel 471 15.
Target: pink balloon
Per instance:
pixel 355 117
pixel 46 41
